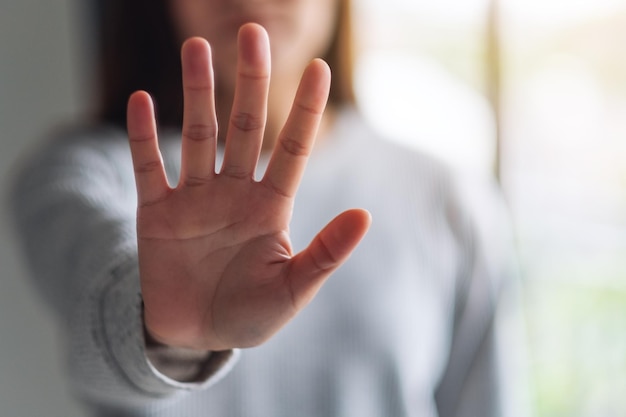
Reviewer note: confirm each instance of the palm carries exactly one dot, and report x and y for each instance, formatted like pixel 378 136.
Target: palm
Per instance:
pixel 228 243
pixel 217 269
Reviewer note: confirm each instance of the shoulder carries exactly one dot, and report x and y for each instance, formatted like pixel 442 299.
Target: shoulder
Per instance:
pixel 383 153
pixel 72 143
pixel 97 138
pixel 472 203
pixel 394 170
pixel 70 158
pixel 370 150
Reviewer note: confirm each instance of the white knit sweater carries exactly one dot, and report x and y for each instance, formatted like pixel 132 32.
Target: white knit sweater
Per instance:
pixel 404 328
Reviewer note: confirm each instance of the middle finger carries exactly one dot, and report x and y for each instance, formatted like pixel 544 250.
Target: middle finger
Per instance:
pixel 249 111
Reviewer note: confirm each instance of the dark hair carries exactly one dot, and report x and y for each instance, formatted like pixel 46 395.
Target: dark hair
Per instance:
pixel 138 49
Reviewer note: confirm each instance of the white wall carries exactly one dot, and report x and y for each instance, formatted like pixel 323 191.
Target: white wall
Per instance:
pixel 38 88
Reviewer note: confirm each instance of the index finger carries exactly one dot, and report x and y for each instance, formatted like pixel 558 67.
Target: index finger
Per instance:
pixel 295 141
pixel 150 177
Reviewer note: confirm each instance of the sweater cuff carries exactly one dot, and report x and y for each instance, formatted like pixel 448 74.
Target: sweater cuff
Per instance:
pixel 124 332
pixel 181 364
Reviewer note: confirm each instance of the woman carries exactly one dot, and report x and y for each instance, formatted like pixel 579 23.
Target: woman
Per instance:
pixel 174 295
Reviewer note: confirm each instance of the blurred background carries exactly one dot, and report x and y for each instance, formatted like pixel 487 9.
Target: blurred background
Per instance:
pixel 531 91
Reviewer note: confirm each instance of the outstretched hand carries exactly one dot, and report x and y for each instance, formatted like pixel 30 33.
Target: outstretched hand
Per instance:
pixel 216 264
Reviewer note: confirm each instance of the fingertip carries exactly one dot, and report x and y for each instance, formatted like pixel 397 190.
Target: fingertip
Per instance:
pixel 195 40
pixel 317 78
pixel 253 29
pixel 195 44
pixel 140 110
pixel 365 217
pixel 139 97
pixel 355 223
pixel 195 56
pixel 320 65
pixel 254 45
pixel 319 69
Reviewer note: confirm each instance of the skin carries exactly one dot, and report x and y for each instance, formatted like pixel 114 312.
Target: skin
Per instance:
pixel 299 30
pixel 217 268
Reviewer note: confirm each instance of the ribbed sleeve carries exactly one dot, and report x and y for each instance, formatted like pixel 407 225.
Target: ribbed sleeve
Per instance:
pixel 407 327
pixel 73 203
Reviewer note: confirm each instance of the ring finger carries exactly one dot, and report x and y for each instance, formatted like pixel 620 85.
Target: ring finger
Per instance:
pixel 199 120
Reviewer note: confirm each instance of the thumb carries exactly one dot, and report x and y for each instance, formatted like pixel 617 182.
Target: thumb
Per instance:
pixel 329 249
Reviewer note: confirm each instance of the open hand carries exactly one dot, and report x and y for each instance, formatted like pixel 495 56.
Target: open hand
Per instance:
pixel 216 264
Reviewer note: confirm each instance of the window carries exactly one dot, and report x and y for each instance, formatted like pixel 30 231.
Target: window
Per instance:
pixel 534 91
